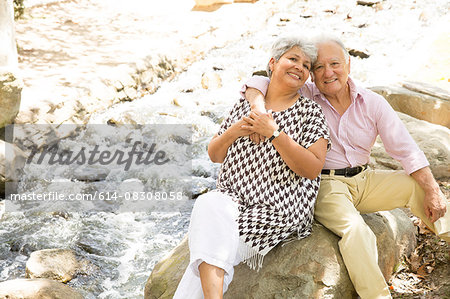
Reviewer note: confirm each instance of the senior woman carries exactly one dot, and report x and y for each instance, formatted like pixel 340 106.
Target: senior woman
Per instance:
pixel 265 192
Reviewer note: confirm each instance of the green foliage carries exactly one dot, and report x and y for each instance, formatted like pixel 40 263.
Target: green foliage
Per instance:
pixel 19 8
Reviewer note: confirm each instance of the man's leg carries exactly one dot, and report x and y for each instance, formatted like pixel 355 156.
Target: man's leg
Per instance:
pixel 386 190
pixel 335 210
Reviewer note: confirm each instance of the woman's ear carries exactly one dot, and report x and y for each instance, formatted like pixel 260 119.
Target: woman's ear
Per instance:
pixel 312 76
pixel 271 63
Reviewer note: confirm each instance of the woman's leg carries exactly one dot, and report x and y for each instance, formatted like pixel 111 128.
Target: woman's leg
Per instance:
pixel 212 280
pixel 213 241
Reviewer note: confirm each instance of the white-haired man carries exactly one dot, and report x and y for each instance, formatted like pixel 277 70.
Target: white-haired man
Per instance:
pixel 356 116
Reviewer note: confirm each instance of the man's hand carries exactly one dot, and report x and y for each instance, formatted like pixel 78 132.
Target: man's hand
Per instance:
pixel 435 205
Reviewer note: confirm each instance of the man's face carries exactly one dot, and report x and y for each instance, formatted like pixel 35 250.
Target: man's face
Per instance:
pixel 330 72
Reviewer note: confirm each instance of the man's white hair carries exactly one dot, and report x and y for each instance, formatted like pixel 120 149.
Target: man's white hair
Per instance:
pixel 326 38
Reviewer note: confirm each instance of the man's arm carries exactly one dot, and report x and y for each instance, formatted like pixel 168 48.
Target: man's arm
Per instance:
pixel 254 92
pixel 256 100
pixel 434 202
pixel 400 145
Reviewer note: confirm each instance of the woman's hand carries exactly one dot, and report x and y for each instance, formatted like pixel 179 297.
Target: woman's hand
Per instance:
pixel 261 123
pixel 240 128
pixel 219 144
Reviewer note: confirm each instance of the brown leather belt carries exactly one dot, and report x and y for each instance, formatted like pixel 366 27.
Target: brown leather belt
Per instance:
pixel 347 172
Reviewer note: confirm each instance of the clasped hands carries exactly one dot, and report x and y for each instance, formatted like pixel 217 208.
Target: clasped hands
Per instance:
pixel 258 126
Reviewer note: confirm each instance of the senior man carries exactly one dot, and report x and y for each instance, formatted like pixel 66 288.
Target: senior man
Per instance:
pixel 356 116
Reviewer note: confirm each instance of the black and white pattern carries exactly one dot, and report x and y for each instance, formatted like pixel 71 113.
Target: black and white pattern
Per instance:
pixel 273 200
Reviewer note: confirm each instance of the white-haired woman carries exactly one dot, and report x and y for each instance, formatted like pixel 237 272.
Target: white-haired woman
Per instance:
pixel 266 191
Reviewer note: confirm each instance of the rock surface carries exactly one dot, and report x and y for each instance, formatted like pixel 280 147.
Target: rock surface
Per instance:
pixel 433 140
pixel 309 268
pixel 432 106
pixel 36 289
pixel 10 94
pixel 12 161
pixel 55 264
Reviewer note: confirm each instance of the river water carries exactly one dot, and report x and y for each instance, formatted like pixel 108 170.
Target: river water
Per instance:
pixel 123 246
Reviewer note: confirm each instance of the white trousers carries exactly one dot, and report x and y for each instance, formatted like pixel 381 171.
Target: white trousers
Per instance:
pixel 214 239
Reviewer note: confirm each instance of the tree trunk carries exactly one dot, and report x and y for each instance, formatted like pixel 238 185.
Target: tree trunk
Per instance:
pixel 8 50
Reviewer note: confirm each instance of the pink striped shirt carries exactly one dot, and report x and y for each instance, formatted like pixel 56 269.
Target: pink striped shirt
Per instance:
pixel 354 133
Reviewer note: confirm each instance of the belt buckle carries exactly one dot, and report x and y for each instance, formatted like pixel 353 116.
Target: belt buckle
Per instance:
pixel 346 172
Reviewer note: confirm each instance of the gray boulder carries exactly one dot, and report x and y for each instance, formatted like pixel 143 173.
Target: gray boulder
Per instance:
pixel 309 268
pixel 433 140
pixel 55 264
pixel 36 289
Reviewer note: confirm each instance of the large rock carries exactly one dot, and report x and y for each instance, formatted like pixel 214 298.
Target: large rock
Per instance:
pixel 309 268
pixel 12 161
pixel 56 264
pixel 10 90
pixel 431 103
pixel 433 140
pixel 36 289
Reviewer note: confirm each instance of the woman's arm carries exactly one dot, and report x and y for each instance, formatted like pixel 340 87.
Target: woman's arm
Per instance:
pixel 306 162
pixel 219 144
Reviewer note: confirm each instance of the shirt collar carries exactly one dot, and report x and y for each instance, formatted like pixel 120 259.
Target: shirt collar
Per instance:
pixel 355 90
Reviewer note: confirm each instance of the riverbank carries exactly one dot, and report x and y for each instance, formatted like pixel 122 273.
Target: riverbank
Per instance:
pixel 80 57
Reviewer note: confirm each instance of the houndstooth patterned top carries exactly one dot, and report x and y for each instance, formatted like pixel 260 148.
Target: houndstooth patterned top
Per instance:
pixel 273 200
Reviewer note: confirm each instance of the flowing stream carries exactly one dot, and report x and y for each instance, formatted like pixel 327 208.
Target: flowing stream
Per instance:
pixel 123 246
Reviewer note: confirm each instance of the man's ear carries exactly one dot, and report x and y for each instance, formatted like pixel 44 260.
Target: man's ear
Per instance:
pixel 312 76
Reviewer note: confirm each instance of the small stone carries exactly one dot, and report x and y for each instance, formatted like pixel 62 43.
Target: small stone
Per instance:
pixel 176 103
pixel 211 81
pixel 358 53
pixel 367 3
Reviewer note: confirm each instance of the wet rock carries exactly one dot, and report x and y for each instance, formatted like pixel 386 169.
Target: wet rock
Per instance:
pixel 37 289
pixel 202 185
pixel 309 268
pixel 211 80
pixel 10 94
pixel 55 264
pixel 432 105
pixel 90 173
pixel 432 139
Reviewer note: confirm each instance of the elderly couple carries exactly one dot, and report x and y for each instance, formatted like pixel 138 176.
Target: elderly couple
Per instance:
pixel 274 144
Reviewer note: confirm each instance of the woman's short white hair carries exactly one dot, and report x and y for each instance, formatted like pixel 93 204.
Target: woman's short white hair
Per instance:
pixel 284 44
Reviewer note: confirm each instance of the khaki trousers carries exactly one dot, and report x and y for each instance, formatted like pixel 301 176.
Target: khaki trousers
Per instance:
pixel 339 204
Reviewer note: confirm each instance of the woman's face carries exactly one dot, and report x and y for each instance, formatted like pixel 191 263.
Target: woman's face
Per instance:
pixel 291 69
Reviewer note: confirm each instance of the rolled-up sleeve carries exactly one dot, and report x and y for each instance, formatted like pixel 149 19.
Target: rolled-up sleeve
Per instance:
pixel 259 82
